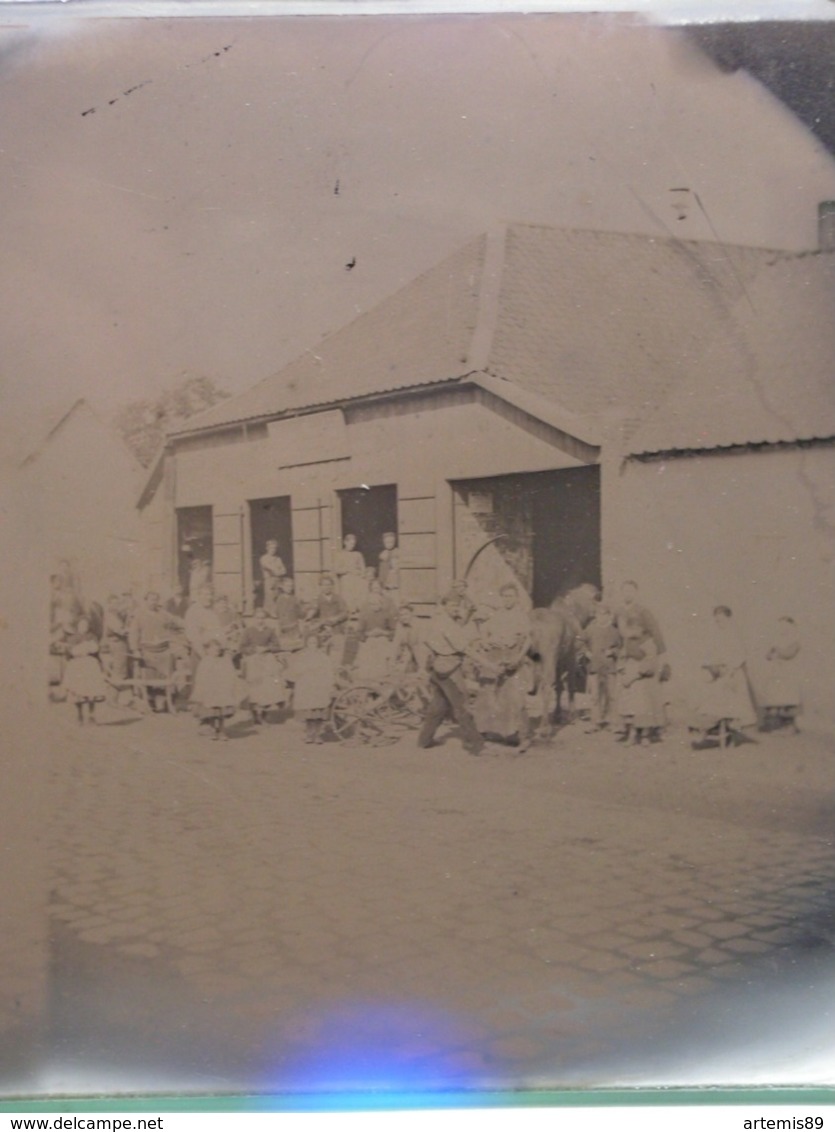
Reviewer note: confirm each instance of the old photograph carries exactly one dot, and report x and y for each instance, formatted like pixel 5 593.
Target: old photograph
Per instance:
pixel 417 439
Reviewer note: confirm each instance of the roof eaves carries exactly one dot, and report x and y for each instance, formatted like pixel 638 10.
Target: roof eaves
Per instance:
pixel 153 474
pixel 317 406
pixel 63 417
pixel 657 453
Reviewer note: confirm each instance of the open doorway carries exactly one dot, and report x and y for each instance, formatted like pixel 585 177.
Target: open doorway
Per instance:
pixel 566 532
pixel 194 546
pixel 368 512
pixel 269 519
pixel 539 530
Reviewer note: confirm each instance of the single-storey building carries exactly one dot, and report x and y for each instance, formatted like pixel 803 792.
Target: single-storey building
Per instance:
pixel 517 412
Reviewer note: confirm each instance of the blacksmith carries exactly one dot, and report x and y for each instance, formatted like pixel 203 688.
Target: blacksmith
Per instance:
pixel 448 642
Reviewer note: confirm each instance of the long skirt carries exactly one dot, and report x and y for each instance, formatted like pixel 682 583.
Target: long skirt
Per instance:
pixel 501 703
pixel 218 690
pixel 265 683
pixel 640 702
pixel 728 697
pixel 84 680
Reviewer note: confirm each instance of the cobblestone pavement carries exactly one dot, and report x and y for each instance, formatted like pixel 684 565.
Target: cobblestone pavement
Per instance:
pixel 270 915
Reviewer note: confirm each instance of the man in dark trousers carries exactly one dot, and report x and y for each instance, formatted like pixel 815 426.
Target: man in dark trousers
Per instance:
pixel 448 642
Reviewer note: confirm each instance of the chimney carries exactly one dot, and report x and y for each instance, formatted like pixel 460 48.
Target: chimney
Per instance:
pixel 826 226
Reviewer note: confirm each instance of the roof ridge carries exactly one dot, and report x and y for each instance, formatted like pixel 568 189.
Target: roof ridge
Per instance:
pixel 489 296
pixel 643 237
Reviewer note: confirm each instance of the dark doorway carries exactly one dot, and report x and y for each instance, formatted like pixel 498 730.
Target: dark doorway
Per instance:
pixel 566 532
pixel 270 519
pixel 539 529
pixel 368 512
pixel 194 544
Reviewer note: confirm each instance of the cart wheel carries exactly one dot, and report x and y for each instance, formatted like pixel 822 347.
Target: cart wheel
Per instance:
pixel 350 717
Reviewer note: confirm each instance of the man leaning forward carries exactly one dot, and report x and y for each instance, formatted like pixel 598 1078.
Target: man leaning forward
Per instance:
pixel 448 642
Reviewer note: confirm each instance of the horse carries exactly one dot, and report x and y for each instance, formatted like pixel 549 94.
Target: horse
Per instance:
pixel 554 632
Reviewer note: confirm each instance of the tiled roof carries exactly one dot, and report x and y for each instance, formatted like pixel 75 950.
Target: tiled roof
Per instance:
pixel 591 324
pixel 768 378
pixel 417 336
pixel 600 321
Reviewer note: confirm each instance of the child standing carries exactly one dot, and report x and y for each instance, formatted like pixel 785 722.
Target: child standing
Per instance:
pixel 83 677
pixel 599 643
pixel 639 699
pixel 262 669
pixel 217 689
pixel 314 678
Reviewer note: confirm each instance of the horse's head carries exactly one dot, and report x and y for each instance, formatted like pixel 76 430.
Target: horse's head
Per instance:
pixel 580 602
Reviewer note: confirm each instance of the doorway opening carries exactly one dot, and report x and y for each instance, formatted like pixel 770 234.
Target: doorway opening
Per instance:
pixel 194 547
pixel 540 530
pixel 368 512
pixel 269 519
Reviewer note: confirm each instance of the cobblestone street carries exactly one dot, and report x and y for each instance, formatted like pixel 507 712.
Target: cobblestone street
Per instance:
pixel 263 914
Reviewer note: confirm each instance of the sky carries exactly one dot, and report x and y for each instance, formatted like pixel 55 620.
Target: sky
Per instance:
pixel 187 195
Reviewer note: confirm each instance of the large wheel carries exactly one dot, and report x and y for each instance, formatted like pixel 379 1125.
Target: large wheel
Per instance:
pixel 352 716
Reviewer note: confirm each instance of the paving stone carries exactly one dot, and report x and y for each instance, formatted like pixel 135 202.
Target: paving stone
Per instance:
pixel 611 941
pixel 637 930
pixel 723 931
pixel 747 946
pixel 666 969
pixel 319 900
pixel 601 961
pixel 653 949
pixel 777 936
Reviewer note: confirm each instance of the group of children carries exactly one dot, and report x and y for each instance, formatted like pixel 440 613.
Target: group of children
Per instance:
pixel 196 648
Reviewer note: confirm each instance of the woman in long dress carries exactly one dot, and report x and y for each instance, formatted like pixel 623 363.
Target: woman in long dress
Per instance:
pixel 313 675
pixel 217 689
pixel 726 697
pixel 639 698
pixel 349 567
pixel 504 673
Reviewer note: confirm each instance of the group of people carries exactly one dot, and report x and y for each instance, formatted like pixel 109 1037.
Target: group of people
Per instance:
pixel 354 578
pixel 482 674
pixel 195 648
pixel 479 662
pixel 627 666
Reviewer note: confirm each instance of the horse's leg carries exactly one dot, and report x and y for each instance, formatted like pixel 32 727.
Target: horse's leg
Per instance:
pixel 546 688
pixel 571 686
pixel 559 681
